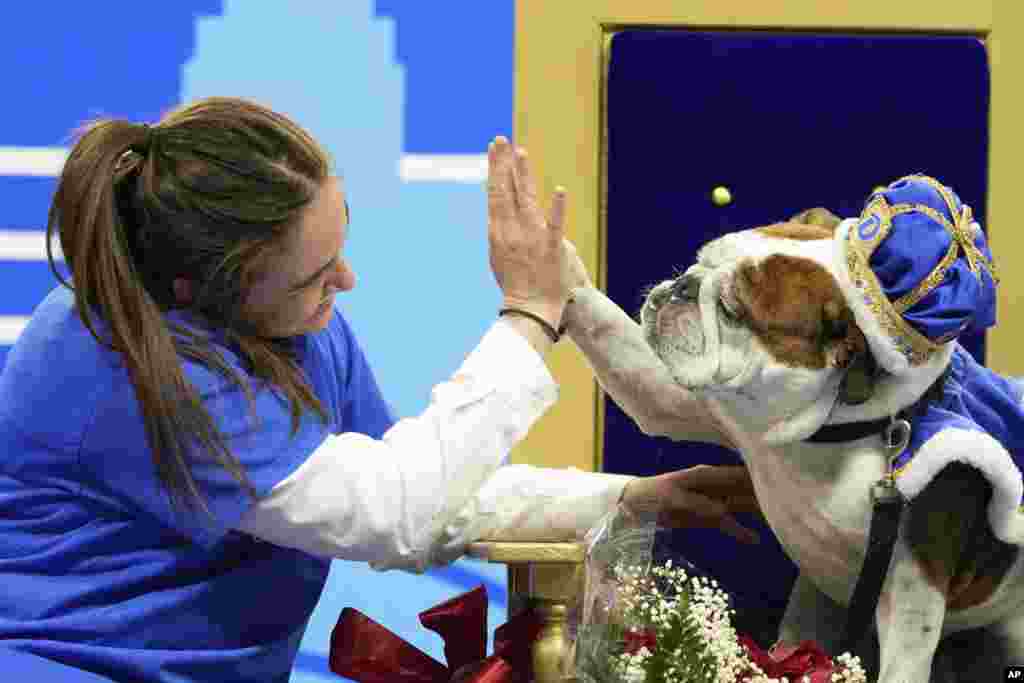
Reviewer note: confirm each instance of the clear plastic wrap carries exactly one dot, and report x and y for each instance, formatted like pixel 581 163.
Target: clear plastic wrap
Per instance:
pixel 648 614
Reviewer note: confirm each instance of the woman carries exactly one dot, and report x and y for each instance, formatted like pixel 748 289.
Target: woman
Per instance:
pixel 192 432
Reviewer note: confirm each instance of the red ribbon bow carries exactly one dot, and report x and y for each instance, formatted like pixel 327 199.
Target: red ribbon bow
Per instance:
pixel 365 651
pixel 793 661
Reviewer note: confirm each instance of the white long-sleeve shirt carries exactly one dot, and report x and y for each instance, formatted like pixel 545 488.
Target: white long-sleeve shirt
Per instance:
pixel 438 481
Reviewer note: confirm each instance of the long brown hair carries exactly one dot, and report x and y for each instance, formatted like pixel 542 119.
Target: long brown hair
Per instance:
pixel 205 194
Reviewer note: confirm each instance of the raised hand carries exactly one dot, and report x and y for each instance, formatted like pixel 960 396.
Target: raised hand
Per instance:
pixel 526 249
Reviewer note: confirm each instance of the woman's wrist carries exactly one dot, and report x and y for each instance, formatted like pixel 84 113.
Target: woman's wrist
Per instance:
pixel 533 333
pixel 550 312
pixel 549 329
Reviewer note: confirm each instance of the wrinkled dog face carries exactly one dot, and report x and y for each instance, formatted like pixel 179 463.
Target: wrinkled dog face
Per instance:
pixel 760 323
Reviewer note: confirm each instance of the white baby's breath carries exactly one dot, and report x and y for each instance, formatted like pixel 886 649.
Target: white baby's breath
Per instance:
pixel 667 602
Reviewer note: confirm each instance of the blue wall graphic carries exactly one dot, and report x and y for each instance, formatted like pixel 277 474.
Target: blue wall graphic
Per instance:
pixel 373 82
pixel 459 62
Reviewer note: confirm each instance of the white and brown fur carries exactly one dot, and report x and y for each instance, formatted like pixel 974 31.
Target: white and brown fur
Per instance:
pixel 758 330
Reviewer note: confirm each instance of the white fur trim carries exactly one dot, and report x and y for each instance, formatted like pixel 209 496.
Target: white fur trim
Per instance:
pixel 982 451
pixel 886 352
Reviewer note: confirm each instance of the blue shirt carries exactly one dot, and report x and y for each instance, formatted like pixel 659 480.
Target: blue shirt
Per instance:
pixel 97 569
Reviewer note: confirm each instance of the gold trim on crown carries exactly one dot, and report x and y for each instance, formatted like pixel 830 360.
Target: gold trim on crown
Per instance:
pixel 916 347
pixel 872 228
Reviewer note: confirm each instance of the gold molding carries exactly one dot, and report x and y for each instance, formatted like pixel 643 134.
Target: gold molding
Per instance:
pixel 510 552
pixel 559 66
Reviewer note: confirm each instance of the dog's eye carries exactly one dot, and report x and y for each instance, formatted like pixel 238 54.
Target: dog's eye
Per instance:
pixel 727 312
pixel 834 328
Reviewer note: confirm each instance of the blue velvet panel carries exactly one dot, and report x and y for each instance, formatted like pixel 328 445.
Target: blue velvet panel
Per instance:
pixel 786 121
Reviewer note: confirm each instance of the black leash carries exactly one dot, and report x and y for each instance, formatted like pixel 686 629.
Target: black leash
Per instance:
pixel 887 507
pixel 885 526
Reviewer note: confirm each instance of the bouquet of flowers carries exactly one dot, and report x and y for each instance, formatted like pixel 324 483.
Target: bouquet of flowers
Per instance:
pixel 668 622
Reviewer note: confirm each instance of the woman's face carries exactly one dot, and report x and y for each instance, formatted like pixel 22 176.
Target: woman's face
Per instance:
pixel 295 292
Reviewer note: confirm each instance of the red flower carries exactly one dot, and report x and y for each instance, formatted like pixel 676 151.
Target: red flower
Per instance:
pixel 638 639
pixel 792 661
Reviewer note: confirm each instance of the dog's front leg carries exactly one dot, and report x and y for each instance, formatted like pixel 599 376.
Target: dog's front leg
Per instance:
pixel 812 615
pixel 631 373
pixel 935 537
pixel 909 617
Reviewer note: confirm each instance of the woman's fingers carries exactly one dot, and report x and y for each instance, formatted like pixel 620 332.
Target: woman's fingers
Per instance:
pixel 556 221
pixel 526 251
pixel 703 511
pixel 743 503
pixel 500 193
pixel 721 478
pixel 693 509
pixel 526 187
pixel 492 190
pixel 510 172
pixel 512 189
pixel 729 525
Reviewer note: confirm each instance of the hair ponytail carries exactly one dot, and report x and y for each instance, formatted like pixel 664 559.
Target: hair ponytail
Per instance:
pixel 124 203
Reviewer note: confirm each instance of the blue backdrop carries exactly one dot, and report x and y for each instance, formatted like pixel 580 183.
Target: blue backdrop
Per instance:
pixel 381 84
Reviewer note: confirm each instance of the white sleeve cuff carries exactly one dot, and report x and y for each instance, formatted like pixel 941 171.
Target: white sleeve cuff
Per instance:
pixel 524 503
pixel 504 358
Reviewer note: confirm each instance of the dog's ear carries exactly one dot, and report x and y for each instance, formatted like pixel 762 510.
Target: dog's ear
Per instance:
pixel 858 384
pixel 817 216
pixel 848 348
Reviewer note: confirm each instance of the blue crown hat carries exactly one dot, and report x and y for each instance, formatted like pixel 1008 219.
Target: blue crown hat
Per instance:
pixel 916 270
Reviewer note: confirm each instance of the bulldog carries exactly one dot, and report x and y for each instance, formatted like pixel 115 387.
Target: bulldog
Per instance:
pixel 770 338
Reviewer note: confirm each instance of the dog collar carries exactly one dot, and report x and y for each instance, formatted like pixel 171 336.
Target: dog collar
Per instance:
pixel 851 431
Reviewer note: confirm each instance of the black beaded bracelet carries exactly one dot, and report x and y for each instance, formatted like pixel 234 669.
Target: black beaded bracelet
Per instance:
pixel 545 325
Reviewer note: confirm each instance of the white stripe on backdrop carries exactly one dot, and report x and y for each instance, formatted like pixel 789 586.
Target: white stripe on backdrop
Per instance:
pixel 30 245
pixel 461 168
pixel 32 161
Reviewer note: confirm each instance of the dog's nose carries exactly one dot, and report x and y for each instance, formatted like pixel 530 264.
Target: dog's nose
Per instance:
pixel 658 296
pixel 686 287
